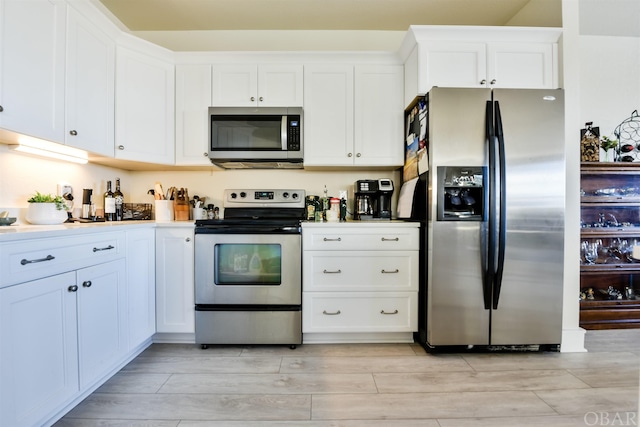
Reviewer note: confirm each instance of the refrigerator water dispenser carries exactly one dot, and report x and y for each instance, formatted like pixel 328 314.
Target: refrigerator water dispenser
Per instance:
pixel 461 193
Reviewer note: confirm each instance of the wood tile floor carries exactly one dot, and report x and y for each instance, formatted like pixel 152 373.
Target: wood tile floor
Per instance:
pixel 174 385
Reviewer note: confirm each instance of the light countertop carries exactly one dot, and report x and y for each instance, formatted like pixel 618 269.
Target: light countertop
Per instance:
pixel 364 224
pixel 28 231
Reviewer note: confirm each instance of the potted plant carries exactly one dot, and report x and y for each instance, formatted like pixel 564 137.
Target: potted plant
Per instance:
pixel 607 144
pixel 46 209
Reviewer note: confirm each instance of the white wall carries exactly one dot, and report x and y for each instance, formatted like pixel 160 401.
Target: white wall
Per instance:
pixel 602 85
pixel 22 175
pixel 212 184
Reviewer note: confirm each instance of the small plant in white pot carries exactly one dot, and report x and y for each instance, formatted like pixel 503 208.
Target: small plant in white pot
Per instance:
pixel 46 209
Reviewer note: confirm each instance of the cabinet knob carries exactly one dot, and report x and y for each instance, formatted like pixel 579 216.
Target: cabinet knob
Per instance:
pixel 350 155
pixel 73 132
pixel 1 109
pixel 72 288
pixel 86 284
pixel 188 239
pixel 120 147
pixel 261 99
pixel 492 82
pixel 253 98
pixel 358 155
pixel 483 81
pixel 205 154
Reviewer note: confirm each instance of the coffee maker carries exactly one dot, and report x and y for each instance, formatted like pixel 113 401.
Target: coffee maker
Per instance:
pixel 373 199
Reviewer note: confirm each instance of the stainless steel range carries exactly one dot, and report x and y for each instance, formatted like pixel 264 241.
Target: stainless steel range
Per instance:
pixel 248 279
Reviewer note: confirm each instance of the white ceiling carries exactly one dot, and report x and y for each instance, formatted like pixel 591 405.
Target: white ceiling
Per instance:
pixel 187 25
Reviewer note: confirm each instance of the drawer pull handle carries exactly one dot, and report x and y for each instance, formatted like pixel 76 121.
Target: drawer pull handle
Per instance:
pixel 332 272
pixel 331 314
pixel 32 261
pixel 391 312
pixel 108 248
pixel 332 240
pixel 390 272
pixel 384 239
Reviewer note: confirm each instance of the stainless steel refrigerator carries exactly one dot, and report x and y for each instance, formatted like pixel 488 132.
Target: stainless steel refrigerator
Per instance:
pixel 490 191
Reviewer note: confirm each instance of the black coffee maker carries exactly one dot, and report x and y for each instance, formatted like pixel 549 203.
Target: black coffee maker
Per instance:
pixel 373 199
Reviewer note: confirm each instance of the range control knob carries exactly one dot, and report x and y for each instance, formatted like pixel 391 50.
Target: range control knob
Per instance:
pixel 294 195
pixel 285 195
pixel 243 194
pixel 233 195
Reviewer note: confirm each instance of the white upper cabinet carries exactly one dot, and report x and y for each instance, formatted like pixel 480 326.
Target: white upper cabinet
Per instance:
pixel 353 115
pixel 193 98
pixel 378 115
pixel 522 65
pixel 328 115
pixel 32 66
pixel 144 107
pixel 90 79
pixel 493 57
pixel 265 85
pixel 453 64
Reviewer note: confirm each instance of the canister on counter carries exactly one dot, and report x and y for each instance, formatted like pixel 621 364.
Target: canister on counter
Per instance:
pixel 333 214
pixel 311 202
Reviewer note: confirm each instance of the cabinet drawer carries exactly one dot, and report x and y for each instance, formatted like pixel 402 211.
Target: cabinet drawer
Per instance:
pixel 353 238
pixel 359 312
pixel 360 271
pixel 33 259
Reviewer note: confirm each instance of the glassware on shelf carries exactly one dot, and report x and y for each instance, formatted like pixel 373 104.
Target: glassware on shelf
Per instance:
pixel 590 252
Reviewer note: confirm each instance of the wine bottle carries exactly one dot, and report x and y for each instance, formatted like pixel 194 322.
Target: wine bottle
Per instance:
pixel 119 201
pixel 109 204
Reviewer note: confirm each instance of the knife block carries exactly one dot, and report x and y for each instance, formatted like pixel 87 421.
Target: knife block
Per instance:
pixel 181 211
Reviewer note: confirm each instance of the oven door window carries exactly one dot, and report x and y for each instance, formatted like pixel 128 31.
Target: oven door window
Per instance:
pixel 248 264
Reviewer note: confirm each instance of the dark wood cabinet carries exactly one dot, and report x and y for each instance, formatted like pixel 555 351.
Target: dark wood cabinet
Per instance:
pixel 610 246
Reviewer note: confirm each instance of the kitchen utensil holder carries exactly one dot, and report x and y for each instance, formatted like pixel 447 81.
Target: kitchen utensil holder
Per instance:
pixel 181 212
pixel 164 210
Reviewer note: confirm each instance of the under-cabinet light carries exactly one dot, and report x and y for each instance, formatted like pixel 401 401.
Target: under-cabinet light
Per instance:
pixel 51 150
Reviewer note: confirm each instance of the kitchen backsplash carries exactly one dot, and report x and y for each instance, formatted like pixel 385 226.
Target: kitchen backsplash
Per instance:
pixel 21 176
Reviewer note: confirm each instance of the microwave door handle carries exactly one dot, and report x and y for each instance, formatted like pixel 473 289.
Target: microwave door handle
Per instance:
pixel 283 133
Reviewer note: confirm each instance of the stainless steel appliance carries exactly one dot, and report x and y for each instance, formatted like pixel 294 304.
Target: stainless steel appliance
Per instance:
pixel 259 138
pixel 248 278
pixel 492 205
pixel 372 199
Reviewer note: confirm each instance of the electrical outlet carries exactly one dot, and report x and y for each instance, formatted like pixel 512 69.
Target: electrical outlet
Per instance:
pixel 64 188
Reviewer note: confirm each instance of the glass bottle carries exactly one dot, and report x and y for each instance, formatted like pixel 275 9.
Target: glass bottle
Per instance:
pixel 109 204
pixel 119 198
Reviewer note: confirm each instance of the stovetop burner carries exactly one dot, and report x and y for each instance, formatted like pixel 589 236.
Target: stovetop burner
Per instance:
pixel 259 210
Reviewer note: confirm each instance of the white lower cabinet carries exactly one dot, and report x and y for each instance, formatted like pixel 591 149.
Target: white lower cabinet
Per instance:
pixel 60 335
pixel 141 285
pixel 175 304
pixel 73 311
pixel 359 282
pixel 101 306
pixel 39 351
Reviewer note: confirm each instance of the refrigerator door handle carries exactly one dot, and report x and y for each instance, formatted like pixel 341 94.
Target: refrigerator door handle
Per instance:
pixel 502 210
pixel 489 237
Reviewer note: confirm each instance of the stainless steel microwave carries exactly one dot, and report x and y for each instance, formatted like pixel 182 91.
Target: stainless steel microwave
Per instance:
pixel 263 137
